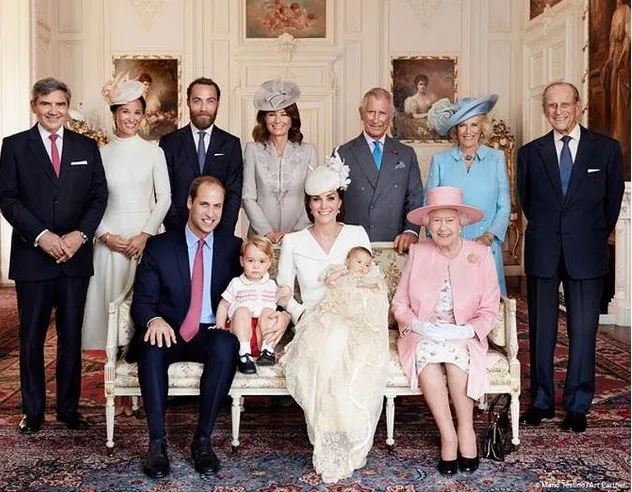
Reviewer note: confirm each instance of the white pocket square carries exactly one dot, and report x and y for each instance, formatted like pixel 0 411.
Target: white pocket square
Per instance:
pixel 79 163
pixel 400 165
pixel 593 170
pixel 215 155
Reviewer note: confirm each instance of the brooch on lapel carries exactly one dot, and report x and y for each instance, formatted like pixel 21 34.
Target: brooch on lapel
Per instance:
pixel 394 152
pixel 472 258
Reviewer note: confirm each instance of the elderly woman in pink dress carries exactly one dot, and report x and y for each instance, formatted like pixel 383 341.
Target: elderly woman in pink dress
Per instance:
pixel 446 303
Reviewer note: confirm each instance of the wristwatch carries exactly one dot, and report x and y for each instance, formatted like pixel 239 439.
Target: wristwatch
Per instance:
pixel 84 237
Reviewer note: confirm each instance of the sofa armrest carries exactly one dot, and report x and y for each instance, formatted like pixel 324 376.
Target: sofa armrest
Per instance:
pixel 114 320
pixel 511 327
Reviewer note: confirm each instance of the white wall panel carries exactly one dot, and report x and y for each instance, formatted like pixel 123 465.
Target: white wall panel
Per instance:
pixel 70 16
pixel 71 65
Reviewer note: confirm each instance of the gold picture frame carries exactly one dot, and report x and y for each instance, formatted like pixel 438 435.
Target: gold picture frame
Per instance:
pixel 161 74
pixel 411 103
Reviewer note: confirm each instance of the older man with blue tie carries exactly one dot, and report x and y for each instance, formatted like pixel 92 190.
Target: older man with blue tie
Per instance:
pixel 570 183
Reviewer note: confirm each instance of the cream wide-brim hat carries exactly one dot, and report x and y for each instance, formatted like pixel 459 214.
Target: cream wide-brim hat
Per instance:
pixel 444 197
pixel 126 92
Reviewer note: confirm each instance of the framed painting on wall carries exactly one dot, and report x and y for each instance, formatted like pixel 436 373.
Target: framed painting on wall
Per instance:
pixel 609 72
pixel 416 83
pixel 161 77
pixel 300 18
pixel 536 7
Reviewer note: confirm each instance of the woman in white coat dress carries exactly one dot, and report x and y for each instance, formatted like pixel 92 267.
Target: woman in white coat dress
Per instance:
pixel 139 197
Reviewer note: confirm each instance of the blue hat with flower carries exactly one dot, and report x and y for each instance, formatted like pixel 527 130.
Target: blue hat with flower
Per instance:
pixel 443 114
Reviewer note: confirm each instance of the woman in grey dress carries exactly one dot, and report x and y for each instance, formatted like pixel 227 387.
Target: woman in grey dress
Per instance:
pixel 276 163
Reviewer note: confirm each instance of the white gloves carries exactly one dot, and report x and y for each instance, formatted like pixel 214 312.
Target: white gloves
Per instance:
pixel 444 331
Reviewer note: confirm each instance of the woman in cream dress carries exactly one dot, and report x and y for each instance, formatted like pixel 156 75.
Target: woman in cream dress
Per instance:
pixel 139 197
pixel 276 163
pixel 337 363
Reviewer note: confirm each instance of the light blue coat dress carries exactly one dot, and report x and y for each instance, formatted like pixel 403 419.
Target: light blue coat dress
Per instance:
pixel 485 187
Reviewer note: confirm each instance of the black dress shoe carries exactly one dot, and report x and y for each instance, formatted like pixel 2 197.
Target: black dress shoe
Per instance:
pixel 156 462
pixel 575 421
pixel 29 425
pixel 469 465
pixel 246 365
pixel 535 415
pixel 266 358
pixel 204 458
pixel 74 422
pixel 447 468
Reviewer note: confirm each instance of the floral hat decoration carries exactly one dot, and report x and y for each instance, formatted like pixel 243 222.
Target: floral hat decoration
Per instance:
pixel 443 115
pixel 276 94
pixel 333 175
pixel 121 90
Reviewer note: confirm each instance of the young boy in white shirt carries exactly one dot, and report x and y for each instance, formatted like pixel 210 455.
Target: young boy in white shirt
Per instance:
pixel 248 303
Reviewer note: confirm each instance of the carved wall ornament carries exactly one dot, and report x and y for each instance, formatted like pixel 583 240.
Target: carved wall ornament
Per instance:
pixel 146 10
pixel 425 9
pixel 547 17
pixel 287 44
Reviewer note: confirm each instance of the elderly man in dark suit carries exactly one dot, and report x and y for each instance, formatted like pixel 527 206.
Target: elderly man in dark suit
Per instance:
pixel 53 193
pixel 385 179
pixel 178 286
pixel 201 149
pixel 570 183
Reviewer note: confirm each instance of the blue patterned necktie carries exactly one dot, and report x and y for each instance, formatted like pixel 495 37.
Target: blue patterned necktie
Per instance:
pixel 566 164
pixel 377 153
pixel 201 152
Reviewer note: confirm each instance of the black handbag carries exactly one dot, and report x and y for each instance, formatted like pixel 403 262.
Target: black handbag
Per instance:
pixel 496 444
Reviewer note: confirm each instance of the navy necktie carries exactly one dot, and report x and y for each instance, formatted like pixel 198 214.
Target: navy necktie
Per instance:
pixel 201 152
pixel 377 153
pixel 566 164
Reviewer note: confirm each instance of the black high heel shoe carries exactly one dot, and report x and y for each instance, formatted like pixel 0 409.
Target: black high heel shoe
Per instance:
pixel 469 465
pixel 447 468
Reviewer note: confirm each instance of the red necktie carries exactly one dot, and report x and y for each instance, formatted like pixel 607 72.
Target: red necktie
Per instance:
pixel 54 154
pixel 191 324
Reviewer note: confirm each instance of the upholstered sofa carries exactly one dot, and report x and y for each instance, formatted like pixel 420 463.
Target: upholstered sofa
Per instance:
pixel 121 378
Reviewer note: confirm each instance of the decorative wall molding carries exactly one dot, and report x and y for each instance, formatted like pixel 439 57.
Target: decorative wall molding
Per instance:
pixel 425 9
pixel 619 307
pixel 146 10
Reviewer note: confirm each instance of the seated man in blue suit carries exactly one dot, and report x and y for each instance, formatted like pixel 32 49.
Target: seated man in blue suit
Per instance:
pixel 178 287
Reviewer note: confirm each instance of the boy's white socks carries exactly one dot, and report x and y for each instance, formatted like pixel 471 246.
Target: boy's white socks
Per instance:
pixel 268 347
pixel 244 348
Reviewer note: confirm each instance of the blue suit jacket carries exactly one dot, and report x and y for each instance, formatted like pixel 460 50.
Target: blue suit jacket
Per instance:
pixel 33 198
pixel 223 160
pixel 572 228
pixel 162 287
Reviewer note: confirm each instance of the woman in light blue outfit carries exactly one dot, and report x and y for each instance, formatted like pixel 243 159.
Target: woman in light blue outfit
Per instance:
pixel 479 170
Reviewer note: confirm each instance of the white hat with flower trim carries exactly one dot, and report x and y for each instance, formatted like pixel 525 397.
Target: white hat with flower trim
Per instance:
pixel 333 175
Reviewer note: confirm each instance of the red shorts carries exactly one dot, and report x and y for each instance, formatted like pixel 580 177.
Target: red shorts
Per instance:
pixel 255 350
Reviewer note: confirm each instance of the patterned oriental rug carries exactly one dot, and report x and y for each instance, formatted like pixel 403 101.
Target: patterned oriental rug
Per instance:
pixel 275 454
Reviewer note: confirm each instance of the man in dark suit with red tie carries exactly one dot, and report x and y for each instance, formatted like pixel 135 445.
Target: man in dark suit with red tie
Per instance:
pixel 570 183
pixel 178 286
pixel 53 193
pixel 201 149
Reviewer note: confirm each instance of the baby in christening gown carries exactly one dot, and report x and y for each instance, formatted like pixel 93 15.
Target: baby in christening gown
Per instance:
pixel 346 285
pixel 340 356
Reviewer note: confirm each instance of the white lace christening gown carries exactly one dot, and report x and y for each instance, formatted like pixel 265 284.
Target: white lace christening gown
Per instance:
pixel 336 368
